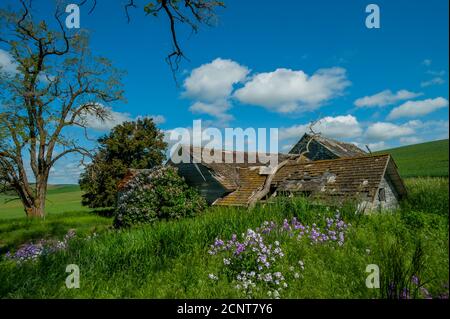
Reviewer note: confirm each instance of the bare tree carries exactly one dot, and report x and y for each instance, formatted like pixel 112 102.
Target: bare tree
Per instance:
pixel 54 84
pixel 192 13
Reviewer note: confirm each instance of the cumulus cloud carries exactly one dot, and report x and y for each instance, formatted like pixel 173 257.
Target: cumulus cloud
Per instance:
pixel 216 109
pixel 434 81
pixel 418 108
pixel 382 131
pixel 334 127
pixel 114 119
pixel 386 97
pixel 376 146
pixel 211 85
pixel 286 90
pixel 410 140
pixel 7 63
pixel 213 81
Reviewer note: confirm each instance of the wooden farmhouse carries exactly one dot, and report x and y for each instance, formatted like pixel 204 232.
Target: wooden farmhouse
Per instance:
pixel 331 171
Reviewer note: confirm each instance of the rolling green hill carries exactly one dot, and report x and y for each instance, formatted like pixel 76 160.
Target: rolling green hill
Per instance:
pixel 425 159
pixel 61 198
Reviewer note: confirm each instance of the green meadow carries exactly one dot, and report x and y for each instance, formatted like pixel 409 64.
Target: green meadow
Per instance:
pixel 61 198
pixel 425 159
pixel 170 259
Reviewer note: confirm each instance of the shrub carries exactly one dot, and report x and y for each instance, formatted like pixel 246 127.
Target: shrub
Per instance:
pixel 136 145
pixel 155 194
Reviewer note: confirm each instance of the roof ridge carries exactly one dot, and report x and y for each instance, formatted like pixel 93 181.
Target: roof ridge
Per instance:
pixel 345 158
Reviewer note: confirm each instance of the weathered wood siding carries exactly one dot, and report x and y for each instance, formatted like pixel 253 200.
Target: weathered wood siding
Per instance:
pixel 391 200
pixel 208 186
pixel 316 150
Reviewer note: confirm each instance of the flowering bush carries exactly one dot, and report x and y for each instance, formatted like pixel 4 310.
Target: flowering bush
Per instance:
pixel 158 193
pixel 32 251
pixel 253 263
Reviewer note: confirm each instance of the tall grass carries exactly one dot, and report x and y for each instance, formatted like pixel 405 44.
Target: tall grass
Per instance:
pixel 170 259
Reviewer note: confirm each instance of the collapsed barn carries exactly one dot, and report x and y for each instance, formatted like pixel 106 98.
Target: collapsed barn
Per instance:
pixel 323 169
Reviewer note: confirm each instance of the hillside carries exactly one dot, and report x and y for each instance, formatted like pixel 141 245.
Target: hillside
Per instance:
pixel 425 159
pixel 61 198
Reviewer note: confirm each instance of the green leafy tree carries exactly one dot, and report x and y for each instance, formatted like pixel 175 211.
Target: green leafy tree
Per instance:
pixel 137 145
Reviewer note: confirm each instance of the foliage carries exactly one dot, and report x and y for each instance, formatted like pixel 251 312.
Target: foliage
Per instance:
pixel 253 263
pixel 135 145
pixel 53 85
pixel 159 193
pixel 20 231
pixel 170 259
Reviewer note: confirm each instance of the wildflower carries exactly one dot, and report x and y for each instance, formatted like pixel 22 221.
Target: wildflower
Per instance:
pixel 226 261
pixel 302 265
pixel 213 277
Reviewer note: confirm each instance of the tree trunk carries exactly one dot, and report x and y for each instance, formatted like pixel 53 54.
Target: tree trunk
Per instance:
pixel 37 207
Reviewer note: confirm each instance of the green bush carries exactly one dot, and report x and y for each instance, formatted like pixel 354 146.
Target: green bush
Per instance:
pixel 155 194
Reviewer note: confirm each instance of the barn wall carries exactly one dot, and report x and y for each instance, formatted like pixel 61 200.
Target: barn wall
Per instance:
pixel 316 150
pixel 209 189
pixel 391 201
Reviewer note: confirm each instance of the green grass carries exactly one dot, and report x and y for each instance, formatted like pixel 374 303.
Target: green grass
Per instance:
pixel 170 259
pixel 15 232
pixel 426 159
pixel 61 198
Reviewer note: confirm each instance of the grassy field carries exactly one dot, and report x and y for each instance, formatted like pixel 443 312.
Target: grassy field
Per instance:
pixel 426 159
pixel 171 259
pixel 61 198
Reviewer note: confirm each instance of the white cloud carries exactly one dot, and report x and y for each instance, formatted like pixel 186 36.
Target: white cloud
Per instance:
pixel 217 109
pixel 286 90
pixel 427 62
pixel 384 98
pixel 382 131
pixel 418 108
pixel 436 73
pixel 115 118
pixel 334 127
pixel 211 86
pixel 434 81
pixel 7 63
pixel 376 146
pixel 410 140
pixel 214 81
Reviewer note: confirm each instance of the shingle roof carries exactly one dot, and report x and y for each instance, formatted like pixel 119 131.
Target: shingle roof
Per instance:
pixel 340 149
pixel 250 183
pixel 228 174
pixel 344 177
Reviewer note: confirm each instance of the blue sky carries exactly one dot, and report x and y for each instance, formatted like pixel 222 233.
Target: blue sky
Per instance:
pixel 270 64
